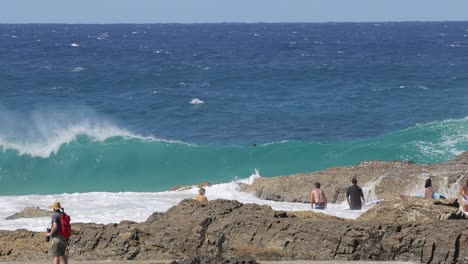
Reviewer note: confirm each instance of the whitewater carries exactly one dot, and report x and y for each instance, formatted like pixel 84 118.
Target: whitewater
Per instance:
pixel 106 207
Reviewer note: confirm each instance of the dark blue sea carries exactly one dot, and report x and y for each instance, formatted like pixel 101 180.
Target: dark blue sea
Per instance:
pixel 143 108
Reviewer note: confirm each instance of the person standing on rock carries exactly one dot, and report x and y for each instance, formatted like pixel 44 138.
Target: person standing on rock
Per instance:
pixel 317 197
pixel 428 191
pixel 355 196
pixel 201 195
pixel 59 242
pixel 464 193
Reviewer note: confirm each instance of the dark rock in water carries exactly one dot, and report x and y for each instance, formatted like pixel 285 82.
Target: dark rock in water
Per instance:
pixel 215 260
pixel 30 212
pixel 185 187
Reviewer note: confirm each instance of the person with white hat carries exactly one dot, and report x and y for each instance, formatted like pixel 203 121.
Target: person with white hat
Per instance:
pixel 59 243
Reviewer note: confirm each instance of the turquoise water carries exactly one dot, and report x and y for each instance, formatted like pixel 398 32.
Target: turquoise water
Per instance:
pixel 146 107
pixel 134 164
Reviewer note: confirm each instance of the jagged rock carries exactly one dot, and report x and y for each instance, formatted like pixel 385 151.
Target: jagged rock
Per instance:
pixel 231 229
pixel 182 187
pixel 30 212
pixel 387 180
pixel 414 209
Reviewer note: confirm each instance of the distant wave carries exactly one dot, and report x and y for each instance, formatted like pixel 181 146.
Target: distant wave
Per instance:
pixel 78 69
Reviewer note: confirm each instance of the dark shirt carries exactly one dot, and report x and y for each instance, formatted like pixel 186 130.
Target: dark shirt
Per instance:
pixel 56 218
pixel 354 193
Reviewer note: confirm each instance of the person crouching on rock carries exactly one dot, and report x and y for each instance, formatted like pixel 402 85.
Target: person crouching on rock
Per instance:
pixel 317 197
pixel 464 193
pixel 428 191
pixel 355 196
pixel 201 195
pixel 59 243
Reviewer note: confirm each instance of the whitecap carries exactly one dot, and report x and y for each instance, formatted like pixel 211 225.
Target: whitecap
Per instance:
pixel 256 35
pixel 196 101
pixel 103 36
pixel 78 69
pixel 340 52
pixel 423 87
pixel 75 45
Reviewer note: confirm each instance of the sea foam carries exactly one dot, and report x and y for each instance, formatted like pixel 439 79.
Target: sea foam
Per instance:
pixel 105 207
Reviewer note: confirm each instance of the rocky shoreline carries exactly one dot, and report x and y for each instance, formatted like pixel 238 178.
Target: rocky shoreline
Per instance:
pixel 402 228
pixel 383 180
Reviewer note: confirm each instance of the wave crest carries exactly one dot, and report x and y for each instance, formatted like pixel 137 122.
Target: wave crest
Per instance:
pixel 43 133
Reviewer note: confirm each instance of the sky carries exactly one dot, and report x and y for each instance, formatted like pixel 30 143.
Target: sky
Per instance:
pixel 211 11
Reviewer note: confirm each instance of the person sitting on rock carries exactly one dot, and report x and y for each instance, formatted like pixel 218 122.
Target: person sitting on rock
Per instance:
pixel 317 197
pixel 428 191
pixel 201 195
pixel 464 193
pixel 355 196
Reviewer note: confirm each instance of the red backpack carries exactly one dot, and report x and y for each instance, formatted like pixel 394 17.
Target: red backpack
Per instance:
pixel 65 229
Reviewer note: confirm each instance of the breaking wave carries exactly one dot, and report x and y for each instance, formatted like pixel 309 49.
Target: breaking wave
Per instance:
pixel 56 153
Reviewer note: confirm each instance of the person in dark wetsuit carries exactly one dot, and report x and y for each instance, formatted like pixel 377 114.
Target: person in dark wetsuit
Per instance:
pixel 355 196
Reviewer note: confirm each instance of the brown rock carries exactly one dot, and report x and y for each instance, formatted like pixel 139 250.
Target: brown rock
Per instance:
pixel 30 212
pixel 414 209
pixel 182 187
pixel 231 229
pixel 384 180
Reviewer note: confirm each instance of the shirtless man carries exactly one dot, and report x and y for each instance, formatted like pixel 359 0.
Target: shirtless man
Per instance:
pixel 464 193
pixel 317 197
pixel 201 195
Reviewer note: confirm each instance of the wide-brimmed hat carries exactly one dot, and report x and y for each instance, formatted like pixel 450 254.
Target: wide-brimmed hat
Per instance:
pixel 55 205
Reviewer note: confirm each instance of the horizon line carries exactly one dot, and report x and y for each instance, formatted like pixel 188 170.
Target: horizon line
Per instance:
pixel 259 22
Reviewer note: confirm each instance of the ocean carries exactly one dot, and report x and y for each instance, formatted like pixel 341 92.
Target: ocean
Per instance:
pixel 107 116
